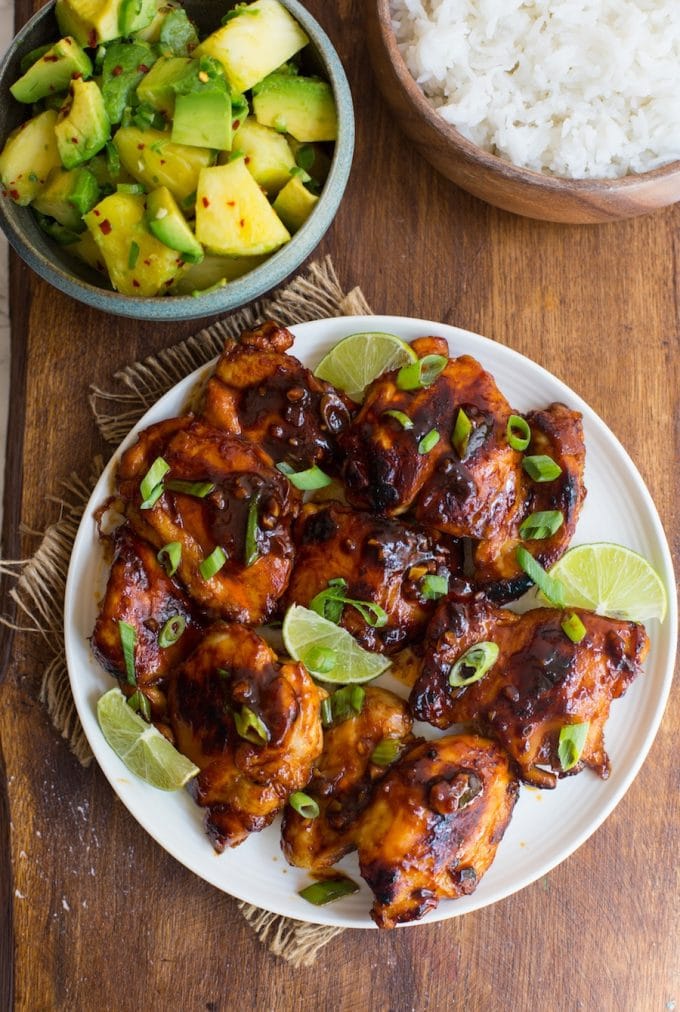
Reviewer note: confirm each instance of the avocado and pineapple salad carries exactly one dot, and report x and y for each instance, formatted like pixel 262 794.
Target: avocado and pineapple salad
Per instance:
pixel 171 164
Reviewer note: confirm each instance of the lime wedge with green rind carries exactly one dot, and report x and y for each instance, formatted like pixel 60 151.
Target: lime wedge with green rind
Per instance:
pixel 357 360
pixel 304 629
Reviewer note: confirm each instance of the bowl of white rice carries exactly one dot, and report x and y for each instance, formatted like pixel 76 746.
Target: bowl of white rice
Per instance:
pixel 561 110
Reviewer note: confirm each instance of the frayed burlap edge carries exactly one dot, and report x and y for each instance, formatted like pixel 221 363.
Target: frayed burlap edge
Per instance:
pixel 41 580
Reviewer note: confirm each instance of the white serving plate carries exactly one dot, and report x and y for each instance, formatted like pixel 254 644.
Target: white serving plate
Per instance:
pixel 547 826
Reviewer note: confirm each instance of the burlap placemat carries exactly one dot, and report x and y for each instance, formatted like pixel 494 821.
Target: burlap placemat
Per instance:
pixel 41 580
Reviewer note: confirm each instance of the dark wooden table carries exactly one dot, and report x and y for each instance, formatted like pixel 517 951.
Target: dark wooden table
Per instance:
pixel 93 914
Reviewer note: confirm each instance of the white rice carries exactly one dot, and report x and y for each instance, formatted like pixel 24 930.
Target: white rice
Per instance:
pixel 577 88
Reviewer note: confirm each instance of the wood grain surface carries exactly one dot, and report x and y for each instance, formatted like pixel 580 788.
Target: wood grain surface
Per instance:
pixel 101 916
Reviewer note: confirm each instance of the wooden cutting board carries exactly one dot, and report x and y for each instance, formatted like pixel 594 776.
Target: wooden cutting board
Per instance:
pixel 93 914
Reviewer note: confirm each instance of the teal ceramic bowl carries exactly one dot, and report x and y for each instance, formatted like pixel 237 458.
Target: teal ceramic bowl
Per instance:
pixel 53 263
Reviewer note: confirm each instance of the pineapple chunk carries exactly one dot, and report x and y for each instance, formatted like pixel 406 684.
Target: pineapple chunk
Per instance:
pixel 28 157
pixel 233 216
pixel 89 21
pixel 267 154
pixel 295 203
pixel 138 264
pixel 253 44
pixel 153 160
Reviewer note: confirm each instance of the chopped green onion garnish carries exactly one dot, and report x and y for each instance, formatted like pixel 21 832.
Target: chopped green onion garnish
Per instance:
pixel 305 806
pixel 434 586
pixel 320 660
pixel 308 480
pixel 151 485
pixel 251 551
pixel 198 489
pixel 140 703
pixel 170 557
pixel 328 890
pixel 422 373
pixel 251 727
pixel 550 588
pixel 135 189
pixel 473 664
pixel 133 255
pixel 387 751
pixel 541 468
pixel 541 525
pixel 171 631
pixel 403 419
pixel 112 160
pixel 428 442
pixel 329 603
pixel 128 638
pixel 236 154
pixel 342 704
pixel 518 433
pixel 571 744
pixel 212 564
pixel 573 627
pixel 461 434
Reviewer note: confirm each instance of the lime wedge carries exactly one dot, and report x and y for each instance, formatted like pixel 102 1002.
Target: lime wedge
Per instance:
pixel 303 631
pixel 611 580
pixel 360 358
pixel 143 749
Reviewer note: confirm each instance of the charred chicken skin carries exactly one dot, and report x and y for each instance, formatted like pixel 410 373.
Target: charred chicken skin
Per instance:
pixel 382 561
pixel 140 593
pixel 251 725
pixel 260 392
pixel 247 493
pixel 342 781
pixel 540 682
pixel 433 825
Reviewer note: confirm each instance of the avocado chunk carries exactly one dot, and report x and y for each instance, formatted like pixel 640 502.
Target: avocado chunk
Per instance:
pixel 295 203
pixel 203 119
pixel 233 216
pixel 90 22
pixel 52 72
pixel 267 154
pixel 177 35
pixel 125 64
pixel 301 106
pixel 135 15
pixel 170 227
pixel 83 126
pixel 29 155
pixel 151 157
pixel 157 87
pixel 32 56
pixel 137 263
pixel 69 194
pixel 255 41
pixel 214 270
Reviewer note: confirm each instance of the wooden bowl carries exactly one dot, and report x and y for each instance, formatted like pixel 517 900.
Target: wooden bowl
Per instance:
pixel 499 182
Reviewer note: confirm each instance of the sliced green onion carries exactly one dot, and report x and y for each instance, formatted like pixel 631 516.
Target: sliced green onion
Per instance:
pixel 170 557
pixel 251 727
pixel 128 638
pixel 134 189
pixel 343 704
pixel 573 627
pixel 198 489
pixel 112 160
pixel 308 480
pixel 328 890
pixel 320 660
pixel 422 373
pixel 541 525
pixel 571 744
pixel 552 589
pixel 541 468
pixel 171 631
pixel 518 433
pixel 461 434
pixel 434 587
pixel 428 442
pixel 305 156
pixel 477 660
pixel 305 806
pixel 403 419
pixel 133 255
pixel 251 551
pixel 140 704
pixel 329 603
pixel 212 564
pixel 151 485
pixel 387 751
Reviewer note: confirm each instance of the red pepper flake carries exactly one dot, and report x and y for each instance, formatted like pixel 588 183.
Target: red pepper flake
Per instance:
pixel 96 212
pixel 135 283
pixel 143 69
pixel 117 71
pixel 74 140
pixel 140 147
pixel 179 262
pixel 206 202
pixel 148 263
pixel 162 161
pixel 231 203
pixel 14 194
pixel 242 222
pixel 49 58
pixel 92 38
pixel 247 159
pixel 236 124
pixel 67 41
pixel 74 77
pixel 105 226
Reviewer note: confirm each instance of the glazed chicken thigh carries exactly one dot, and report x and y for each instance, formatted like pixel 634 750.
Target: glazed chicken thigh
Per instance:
pixel 433 825
pixel 252 726
pixel 540 682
